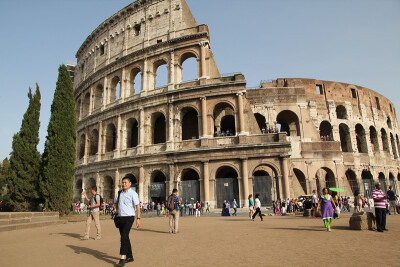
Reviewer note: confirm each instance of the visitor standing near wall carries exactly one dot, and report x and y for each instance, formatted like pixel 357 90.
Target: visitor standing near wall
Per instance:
pixel 127 205
pixel 173 207
pixel 380 207
pixel 258 208
pixel 315 204
pixel 93 215
pixel 392 199
pixel 234 206
pixel 251 206
pixel 327 208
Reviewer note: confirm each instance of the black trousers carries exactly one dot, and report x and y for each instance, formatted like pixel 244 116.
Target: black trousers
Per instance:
pixel 125 225
pixel 380 215
pixel 258 211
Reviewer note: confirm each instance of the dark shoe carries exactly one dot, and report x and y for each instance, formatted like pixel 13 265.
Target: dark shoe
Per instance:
pixel 385 229
pixel 129 260
pixel 121 263
pixel 380 231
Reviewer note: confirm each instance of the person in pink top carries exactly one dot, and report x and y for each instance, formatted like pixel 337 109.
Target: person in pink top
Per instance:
pixel 380 207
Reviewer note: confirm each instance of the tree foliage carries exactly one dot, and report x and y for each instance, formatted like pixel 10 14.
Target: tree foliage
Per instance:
pixel 24 171
pixel 58 159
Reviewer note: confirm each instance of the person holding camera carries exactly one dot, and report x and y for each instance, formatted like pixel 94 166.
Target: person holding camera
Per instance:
pixel 127 205
pixel 93 213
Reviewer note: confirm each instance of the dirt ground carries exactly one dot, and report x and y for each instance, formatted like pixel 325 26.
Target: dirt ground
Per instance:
pixel 208 241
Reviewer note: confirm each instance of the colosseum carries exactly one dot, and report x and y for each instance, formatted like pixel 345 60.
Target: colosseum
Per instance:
pixel 213 138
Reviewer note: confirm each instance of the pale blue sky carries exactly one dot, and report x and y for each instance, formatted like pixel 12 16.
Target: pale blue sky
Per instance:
pixel 354 41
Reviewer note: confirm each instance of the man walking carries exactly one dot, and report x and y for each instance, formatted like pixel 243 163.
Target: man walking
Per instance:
pixel 258 208
pixel 315 204
pixel 234 206
pixel 127 205
pixel 380 207
pixel 173 199
pixel 392 199
pixel 93 215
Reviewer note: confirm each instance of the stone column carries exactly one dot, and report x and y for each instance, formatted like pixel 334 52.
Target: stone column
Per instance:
pixel 203 69
pixel 100 144
pixel 242 129
pixel 124 87
pixel 171 71
pixel 140 147
pixel 204 126
pixel 141 183
pixel 105 92
pixel 83 188
pixel 285 176
pixel 118 141
pixel 86 152
pixel 206 182
pixel 99 184
pixel 91 102
pixel 145 78
pixel 171 181
pixel 117 182
pixel 170 142
pixel 245 178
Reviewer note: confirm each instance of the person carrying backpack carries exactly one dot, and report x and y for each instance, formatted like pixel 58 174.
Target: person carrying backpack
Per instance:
pixel 173 208
pixel 93 213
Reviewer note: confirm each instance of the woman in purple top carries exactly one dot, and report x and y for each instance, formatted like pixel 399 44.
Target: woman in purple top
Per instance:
pixel 327 208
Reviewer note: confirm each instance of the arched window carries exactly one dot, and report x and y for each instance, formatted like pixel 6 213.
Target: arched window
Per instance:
pixel 289 123
pixel 159 128
pixel 368 182
pixel 341 112
pixel 98 96
pixel 157 186
pixel 361 139
pixel 78 109
pixel 352 180
pixel 86 105
pixel 325 131
pixel 111 138
pixel 394 150
pixel 327 175
pixel 398 143
pixel 189 66
pixel 392 182
pixel 190 186
pixel 345 139
pixel 301 178
pixel 374 138
pixel 160 74
pixel 227 185
pixel 382 180
pixel 389 123
pixel 190 124
pixel 132 132
pixel 261 121
pixel 135 82
pixel 94 142
pixel 108 189
pixel 385 141
pixel 224 120
pixel 115 90
pixel 82 146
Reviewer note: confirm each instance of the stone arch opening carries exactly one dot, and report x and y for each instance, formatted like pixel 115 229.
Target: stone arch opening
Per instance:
pixel 325 174
pixel 345 138
pixel 227 187
pixel 111 138
pixel 301 179
pixel 224 120
pixel 368 182
pixel 385 141
pixel 341 112
pixel 398 143
pixel 262 185
pixel 393 146
pixel 78 190
pixel 190 68
pixel 361 139
pixel 160 73
pixel 78 109
pixel 389 123
pixel 392 182
pixel 325 131
pixel 98 96
pixel 115 89
pixel 289 123
pixel 159 128
pixel 88 189
pixel 190 124
pixel 82 143
pixel 382 180
pixel 94 142
pixel 373 136
pixel 190 186
pixel 134 182
pixel 261 121
pixel 108 189
pixel 132 133
pixel 352 180
pixel 135 78
pixel 86 105
pixel 158 187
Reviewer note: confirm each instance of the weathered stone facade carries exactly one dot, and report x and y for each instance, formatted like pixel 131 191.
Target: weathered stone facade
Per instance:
pixel 209 137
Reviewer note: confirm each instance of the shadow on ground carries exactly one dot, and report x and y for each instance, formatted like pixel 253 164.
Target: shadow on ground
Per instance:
pixel 95 253
pixel 77 236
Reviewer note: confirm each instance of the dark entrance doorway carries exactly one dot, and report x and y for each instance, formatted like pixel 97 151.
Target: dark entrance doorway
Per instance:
pixel 190 186
pixel 157 187
pixel 227 186
pixel 368 183
pixel 262 185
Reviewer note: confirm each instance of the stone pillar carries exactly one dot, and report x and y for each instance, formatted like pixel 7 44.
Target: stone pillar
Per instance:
pixel 206 183
pixel 203 68
pixel 245 178
pixel 171 184
pixel 171 71
pixel 105 92
pixel 118 141
pixel 100 144
pixel 170 142
pixel 242 129
pixel 86 152
pixel 140 147
pixel 124 85
pixel 141 183
pixel 99 184
pixel 91 101
pixel 204 126
pixel 285 176
pixel 83 189
pixel 117 182
pixel 145 78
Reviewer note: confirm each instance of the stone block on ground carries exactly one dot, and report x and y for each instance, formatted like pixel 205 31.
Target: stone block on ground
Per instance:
pixel 362 221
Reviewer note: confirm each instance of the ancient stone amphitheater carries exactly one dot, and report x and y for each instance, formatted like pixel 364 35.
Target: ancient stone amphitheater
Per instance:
pixel 213 138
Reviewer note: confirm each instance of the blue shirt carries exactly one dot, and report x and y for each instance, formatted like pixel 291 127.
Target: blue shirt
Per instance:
pixel 176 202
pixel 127 203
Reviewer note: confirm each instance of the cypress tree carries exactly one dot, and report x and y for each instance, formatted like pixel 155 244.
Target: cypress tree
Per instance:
pixel 58 160
pixel 24 171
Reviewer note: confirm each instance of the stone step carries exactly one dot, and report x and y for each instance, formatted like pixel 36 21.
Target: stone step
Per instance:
pixel 12 215
pixel 20 226
pixel 28 219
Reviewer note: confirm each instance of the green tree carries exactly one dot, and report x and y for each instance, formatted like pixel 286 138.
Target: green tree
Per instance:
pixel 4 170
pixel 58 159
pixel 24 171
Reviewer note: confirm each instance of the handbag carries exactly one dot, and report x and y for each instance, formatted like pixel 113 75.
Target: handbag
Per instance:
pixel 114 215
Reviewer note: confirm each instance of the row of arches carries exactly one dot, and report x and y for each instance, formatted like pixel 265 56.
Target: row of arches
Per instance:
pixel 341 113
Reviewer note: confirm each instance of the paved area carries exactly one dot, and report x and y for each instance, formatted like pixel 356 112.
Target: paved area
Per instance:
pixel 208 241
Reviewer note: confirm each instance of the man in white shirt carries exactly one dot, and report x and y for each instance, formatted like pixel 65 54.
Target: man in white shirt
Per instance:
pixel 125 203
pixel 315 204
pixel 257 205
